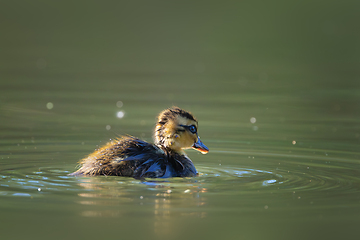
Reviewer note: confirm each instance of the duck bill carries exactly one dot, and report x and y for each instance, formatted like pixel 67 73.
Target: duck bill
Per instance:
pixel 200 146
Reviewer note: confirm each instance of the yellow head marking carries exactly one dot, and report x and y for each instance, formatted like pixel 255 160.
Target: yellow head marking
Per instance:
pixel 172 130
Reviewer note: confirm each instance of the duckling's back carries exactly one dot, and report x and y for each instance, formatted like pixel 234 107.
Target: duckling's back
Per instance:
pixel 132 157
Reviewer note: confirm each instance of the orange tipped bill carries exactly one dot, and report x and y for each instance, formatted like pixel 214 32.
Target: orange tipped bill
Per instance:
pixel 200 146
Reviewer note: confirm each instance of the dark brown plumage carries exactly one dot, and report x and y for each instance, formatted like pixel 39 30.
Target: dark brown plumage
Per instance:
pixel 128 156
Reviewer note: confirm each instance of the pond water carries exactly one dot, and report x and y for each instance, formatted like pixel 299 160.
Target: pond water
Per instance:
pixel 278 105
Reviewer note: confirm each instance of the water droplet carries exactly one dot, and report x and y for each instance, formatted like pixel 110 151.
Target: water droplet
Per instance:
pixel 49 105
pixel 119 104
pixel 120 114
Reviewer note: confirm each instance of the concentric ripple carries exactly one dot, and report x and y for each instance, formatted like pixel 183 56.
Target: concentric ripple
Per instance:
pixel 288 172
pixel 280 173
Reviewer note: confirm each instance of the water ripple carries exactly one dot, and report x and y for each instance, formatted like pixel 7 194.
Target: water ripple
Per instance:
pixel 291 175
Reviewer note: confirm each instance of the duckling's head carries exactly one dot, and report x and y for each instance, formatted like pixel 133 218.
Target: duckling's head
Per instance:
pixel 176 129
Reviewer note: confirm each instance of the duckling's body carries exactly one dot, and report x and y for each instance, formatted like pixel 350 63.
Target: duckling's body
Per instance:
pixel 131 157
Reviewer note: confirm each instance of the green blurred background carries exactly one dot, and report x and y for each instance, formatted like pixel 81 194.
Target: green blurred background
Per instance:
pixel 314 43
pixel 292 58
pixel 292 65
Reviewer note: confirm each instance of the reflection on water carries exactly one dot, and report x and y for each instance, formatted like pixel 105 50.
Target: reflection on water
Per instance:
pixel 292 172
pixel 313 183
pixel 164 199
pixel 275 87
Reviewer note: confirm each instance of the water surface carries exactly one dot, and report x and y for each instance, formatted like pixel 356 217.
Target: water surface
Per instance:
pixel 276 95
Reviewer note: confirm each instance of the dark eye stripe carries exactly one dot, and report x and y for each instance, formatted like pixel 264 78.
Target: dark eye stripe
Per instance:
pixel 180 130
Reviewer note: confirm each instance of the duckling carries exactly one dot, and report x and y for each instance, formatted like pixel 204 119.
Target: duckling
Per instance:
pixel 129 156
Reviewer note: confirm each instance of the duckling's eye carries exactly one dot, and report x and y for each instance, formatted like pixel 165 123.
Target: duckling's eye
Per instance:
pixel 192 129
